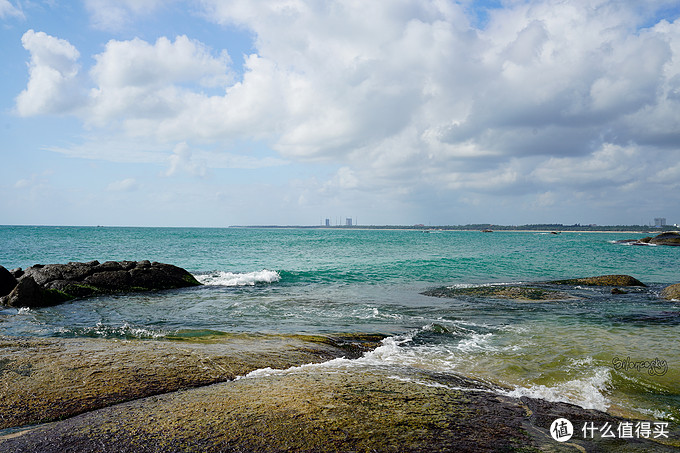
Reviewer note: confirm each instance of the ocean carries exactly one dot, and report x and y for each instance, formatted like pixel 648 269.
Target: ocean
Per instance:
pixel 616 353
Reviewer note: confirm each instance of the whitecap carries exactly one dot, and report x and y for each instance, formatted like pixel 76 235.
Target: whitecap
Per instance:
pixel 587 392
pixel 222 278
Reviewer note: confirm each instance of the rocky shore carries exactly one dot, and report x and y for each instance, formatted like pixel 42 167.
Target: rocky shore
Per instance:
pixel 154 396
pixel 52 284
pixel 217 392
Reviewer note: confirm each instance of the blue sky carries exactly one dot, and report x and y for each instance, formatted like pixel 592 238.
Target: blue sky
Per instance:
pixel 216 113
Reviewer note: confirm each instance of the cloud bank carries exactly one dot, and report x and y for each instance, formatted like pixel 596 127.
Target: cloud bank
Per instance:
pixel 553 101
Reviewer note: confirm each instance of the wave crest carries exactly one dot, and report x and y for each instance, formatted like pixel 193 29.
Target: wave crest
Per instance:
pixel 221 278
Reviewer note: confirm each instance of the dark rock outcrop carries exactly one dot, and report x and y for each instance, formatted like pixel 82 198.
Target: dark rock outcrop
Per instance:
pixel 671 292
pixel 603 280
pixel 51 284
pixel 7 281
pixel 667 238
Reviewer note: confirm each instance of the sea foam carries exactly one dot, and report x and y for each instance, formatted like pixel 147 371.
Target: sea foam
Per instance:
pixel 221 278
pixel 587 392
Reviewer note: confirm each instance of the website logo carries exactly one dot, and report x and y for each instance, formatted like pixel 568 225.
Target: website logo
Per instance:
pixel 561 430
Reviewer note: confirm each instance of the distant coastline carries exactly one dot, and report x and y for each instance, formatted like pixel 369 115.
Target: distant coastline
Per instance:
pixel 532 228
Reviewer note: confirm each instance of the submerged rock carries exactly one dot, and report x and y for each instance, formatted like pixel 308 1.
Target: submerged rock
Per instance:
pixel 527 293
pixel 540 291
pixel 51 284
pixel 603 280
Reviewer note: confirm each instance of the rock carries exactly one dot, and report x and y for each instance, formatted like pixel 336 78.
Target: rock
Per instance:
pixel 618 291
pixel 28 293
pixel 603 280
pixel 527 293
pixel 55 283
pixel 667 238
pixel 671 292
pixel 47 379
pixel 110 280
pixel 330 409
pixel 18 272
pixel 7 282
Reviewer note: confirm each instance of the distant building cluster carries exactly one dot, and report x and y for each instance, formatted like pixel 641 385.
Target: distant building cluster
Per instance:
pixel 349 221
pixel 659 222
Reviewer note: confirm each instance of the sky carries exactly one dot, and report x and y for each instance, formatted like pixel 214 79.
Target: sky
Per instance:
pixel 287 112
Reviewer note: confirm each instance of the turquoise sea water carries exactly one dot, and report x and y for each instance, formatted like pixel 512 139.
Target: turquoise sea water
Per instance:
pixel 336 280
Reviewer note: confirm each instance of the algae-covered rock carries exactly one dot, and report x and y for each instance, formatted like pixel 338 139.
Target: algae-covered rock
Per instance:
pixel 329 408
pixel 603 280
pixel 28 293
pixel 49 378
pixel 671 292
pixel 527 293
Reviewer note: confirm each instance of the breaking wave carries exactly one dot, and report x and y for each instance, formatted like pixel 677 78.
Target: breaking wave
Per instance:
pixel 588 391
pixel 221 278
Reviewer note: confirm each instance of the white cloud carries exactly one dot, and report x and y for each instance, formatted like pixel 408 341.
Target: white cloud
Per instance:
pixel 115 14
pixel 53 85
pixel 141 84
pixel 611 164
pixel 182 161
pixel 399 96
pixel 125 185
pixel 544 200
pixel 7 9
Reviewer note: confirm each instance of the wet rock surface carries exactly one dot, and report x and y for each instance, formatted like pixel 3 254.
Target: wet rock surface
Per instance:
pixel 328 408
pixel 602 280
pixel 527 293
pixel 52 284
pixel 668 238
pixel 671 292
pixel 671 238
pixel 48 379
pixel 540 291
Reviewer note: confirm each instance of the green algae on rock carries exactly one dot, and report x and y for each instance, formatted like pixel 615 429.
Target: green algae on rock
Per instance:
pixel 603 280
pixel 527 293
pixel 48 379
pixel 327 409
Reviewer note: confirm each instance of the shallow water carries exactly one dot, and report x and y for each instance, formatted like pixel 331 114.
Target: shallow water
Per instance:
pixel 327 281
